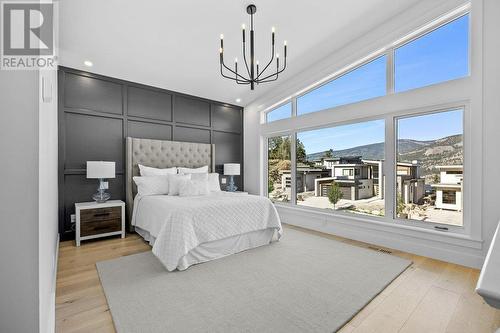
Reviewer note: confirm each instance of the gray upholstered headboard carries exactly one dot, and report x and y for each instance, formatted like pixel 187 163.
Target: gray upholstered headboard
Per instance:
pixel 162 154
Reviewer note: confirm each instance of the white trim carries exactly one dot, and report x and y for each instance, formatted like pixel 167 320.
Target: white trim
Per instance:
pixel 395 237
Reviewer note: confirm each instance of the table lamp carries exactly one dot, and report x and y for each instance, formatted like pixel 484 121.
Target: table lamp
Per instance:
pixel 231 170
pixel 101 170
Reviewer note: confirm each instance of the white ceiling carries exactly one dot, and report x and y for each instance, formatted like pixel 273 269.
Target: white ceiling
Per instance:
pixel 175 44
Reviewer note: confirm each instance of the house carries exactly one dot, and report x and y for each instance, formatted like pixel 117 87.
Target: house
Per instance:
pixel 409 185
pixel 305 177
pixel 450 187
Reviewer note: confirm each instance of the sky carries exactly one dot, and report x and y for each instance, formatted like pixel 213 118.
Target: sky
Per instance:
pixel 439 56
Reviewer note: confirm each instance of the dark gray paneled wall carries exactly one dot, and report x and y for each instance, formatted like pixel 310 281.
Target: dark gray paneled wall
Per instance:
pixel 97 113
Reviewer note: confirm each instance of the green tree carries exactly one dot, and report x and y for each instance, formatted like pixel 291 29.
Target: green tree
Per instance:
pixel 329 153
pixel 335 194
pixel 270 186
pixel 301 152
pixel 400 205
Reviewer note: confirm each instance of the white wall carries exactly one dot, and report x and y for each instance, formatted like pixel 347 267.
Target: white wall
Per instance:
pixel 491 118
pixel 483 103
pixel 19 201
pixel 48 199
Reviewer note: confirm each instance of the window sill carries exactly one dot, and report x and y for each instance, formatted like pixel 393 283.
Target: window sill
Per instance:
pixel 374 223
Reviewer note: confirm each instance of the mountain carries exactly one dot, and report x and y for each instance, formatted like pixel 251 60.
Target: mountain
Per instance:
pixel 444 151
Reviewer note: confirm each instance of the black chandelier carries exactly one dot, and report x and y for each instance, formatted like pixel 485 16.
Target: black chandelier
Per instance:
pixel 254 74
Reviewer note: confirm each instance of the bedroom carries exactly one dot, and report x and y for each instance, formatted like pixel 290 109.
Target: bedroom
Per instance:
pixel 349 186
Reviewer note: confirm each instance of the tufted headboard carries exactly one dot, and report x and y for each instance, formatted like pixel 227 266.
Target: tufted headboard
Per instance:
pixel 162 154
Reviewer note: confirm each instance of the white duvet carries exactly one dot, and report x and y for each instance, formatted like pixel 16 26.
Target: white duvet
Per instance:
pixel 180 224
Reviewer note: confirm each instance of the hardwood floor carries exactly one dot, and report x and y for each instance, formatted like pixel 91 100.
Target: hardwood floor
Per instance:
pixel 430 296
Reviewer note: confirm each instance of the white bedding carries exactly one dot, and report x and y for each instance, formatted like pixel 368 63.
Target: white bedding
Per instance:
pixel 179 225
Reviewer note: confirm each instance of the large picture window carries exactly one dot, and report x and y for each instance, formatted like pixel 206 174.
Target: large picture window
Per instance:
pixel 340 168
pixel 365 82
pixel 281 112
pixel 279 168
pixel 440 55
pixel 430 167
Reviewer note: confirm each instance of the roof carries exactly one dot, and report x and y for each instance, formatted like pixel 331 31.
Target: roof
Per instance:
pixel 447 185
pixel 444 167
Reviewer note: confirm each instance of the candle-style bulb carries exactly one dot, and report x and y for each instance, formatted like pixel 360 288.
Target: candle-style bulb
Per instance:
pixel 273 30
pixel 257 63
pixel 235 60
pixel 243 26
pixel 277 55
pixel 221 36
pixel 220 49
pixel 284 43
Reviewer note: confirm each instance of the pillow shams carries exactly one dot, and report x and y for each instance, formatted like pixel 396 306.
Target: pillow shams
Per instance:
pixel 188 188
pixel 174 183
pixel 152 185
pixel 149 171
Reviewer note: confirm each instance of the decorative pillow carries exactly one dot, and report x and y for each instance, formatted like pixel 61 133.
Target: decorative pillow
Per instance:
pixel 189 188
pixel 174 182
pixel 152 185
pixel 213 182
pixel 203 169
pixel 149 171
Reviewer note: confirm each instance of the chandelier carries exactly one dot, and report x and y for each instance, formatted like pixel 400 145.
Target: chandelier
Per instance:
pixel 253 73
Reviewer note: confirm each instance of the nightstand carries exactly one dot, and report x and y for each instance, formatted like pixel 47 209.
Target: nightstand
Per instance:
pixel 94 220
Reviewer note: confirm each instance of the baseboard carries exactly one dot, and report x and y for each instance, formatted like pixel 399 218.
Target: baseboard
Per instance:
pixel 452 253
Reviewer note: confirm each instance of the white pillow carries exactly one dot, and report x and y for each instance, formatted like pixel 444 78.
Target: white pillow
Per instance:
pixel 212 178
pixel 152 185
pixel 174 183
pixel 189 188
pixel 203 169
pixel 149 171
pixel 198 176
pixel 213 182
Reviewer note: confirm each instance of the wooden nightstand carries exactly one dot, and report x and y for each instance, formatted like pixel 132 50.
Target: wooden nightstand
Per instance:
pixel 94 220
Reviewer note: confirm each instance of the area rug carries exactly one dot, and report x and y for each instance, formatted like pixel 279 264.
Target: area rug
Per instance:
pixel 304 283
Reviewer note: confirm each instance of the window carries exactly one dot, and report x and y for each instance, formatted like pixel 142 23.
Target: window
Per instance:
pixel 440 55
pixel 282 112
pixel 327 160
pixel 450 197
pixel 365 82
pixel 347 172
pixel 427 151
pixel 279 168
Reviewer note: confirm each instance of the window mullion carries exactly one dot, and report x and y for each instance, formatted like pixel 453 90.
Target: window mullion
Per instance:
pixel 293 171
pixel 389 173
pixel 390 71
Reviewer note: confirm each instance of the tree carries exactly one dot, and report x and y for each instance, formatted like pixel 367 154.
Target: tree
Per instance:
pixel 334 194
pixel 329 153
pixel 400 205
pixel 270 186
pixel 301 152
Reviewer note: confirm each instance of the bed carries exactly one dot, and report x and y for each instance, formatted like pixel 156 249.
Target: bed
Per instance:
pixel 184 231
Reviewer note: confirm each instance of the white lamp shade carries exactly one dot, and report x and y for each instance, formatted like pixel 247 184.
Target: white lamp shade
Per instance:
pixel 100 169
pixel 231 169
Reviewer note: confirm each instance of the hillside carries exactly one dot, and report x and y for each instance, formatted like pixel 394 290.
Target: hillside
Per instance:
pixel 444 151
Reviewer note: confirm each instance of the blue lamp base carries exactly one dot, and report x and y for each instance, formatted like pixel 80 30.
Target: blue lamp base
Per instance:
pixel 231 187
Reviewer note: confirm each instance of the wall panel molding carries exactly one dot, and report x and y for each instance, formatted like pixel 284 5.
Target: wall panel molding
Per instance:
pixel 97 113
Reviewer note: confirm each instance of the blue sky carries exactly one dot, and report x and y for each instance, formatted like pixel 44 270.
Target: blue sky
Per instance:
pixel 436 57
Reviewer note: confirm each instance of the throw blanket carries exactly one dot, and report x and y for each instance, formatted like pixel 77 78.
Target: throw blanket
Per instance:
pixel 180 224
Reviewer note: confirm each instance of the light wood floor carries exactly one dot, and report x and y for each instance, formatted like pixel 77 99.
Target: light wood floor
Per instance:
pixel 431 296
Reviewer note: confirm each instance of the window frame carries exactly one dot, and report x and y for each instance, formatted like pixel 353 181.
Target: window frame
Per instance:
pixel 389 52
pixel 465 227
